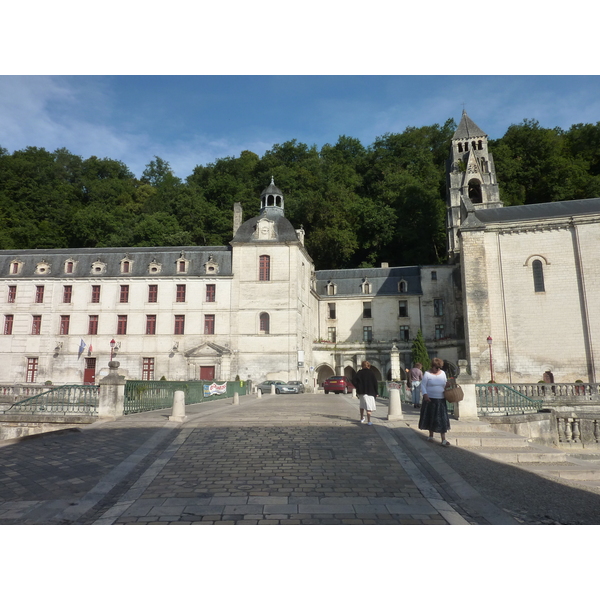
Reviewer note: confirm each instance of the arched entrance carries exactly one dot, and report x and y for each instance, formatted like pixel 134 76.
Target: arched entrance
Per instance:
pixel 323 372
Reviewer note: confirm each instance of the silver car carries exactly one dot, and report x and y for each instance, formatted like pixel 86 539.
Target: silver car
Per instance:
pixel 281 387
pixel 297 384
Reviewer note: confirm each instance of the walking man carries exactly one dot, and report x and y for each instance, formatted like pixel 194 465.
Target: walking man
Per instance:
pixel 365 383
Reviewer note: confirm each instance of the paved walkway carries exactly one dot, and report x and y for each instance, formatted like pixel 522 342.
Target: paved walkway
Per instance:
pixel 271 460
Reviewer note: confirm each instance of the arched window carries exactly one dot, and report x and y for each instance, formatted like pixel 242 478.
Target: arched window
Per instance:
pixel 264 323
pixel 403 287
pixel 264 268
pixel 538 276
pixel 475 195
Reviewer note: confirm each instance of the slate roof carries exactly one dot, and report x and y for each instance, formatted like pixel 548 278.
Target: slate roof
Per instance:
pixel 545 210
pixel 384 281
pixel 284 230
pixel 140 257
pixel 467 129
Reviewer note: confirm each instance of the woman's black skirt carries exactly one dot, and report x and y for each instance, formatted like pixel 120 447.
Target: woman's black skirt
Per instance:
pixel 434 416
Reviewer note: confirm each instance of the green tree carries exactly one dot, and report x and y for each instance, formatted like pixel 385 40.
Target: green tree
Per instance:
pixel 419 351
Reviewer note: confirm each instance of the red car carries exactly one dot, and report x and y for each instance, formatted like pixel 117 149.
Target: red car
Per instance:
pixel 338 385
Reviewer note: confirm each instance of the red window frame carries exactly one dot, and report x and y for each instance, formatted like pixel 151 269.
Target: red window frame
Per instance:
pixel 95 294
pixel 69 268
pixel 8 324
pixel 36 325
pixel 121 324
pixel 209 324
pixel 39 294
pixel 179 324
pixel 93 325
pixel 180 295
pixel 153 293
pixel 64 325
pixel 32 367
pixel 147 369
pixel 181 266
pixel 124 294
pixel 150 324
pixel 264 268
pixel 67 294
pixel 126 267
pixel 12 293
pixel 211 292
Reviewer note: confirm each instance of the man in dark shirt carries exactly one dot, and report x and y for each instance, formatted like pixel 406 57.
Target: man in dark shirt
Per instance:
pixel 366 386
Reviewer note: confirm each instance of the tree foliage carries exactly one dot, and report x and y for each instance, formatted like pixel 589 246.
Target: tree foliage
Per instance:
pixel 358 205
pixel 419 352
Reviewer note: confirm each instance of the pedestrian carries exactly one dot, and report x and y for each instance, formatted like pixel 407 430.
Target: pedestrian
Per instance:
pixel 434 414
pixel 415 377
pixel 366 385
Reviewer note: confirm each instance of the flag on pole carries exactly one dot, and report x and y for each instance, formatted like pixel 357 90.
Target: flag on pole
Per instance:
pixel 82 345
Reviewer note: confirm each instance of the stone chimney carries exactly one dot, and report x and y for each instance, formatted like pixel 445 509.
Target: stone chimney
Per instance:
pixel 237 217
pixel 385 265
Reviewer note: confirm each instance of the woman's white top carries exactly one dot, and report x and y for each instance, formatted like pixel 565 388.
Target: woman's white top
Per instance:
pixel 434 385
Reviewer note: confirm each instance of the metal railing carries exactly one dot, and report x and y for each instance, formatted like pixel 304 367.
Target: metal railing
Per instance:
pixel 501 399
pixel 61 400
pixel 143 396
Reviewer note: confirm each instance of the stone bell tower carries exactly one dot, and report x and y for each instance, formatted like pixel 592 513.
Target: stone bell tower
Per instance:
pixel 470 179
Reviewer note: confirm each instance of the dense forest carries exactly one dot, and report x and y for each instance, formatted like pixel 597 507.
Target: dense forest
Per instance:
pixel 358 205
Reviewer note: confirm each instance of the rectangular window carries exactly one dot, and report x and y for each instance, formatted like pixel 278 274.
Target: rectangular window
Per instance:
pixel 147 369
pixel 32 367
pixel 403 308
pixel 181 266
pixel 150 324
pixel 64 325
pixel 93 325
pixel 36 325
pixel 438 307
pixel 12 293
pixel 404 333
pixel 95 293
pixel 209 324
pixel 439 332
pixel 121 324
pixel 331 334
pixel 39 293
pixel 69 268
pixel 153 293
pixel 125 267
pixel 264 268
pixel 367 334
pixel 433 275
pixel 366 310
pixel 331 310
pixel 67 294
pixel 180 297
pixel 8 324
pixel 211 290
pixel 124 295
pixel 179 324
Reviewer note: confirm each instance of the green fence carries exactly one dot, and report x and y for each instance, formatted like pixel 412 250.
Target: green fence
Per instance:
pixel 61 400
pixel 143 396
pixel 500 399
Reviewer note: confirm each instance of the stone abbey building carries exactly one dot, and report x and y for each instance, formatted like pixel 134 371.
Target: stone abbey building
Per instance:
pixel 256 309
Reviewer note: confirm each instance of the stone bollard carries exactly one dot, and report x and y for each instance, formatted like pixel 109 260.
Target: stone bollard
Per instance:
pixel 395 409
pixel 354 393
pixel 236 398
pixel 258 393
pixel 178 411
pixel 466 410
pixel 111 397
pixel 272 389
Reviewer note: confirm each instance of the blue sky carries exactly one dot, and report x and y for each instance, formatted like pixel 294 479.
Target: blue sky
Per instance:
pixel 190 120
pixel 194 82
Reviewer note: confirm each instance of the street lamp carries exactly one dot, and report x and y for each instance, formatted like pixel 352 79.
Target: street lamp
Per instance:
pixel 489 341
pixel 112 348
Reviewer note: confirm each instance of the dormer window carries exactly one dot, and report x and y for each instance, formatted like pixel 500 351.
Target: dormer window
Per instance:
pixel 42 268
pixel 331 288
pixel 126 265
pixel 15 267
pixel 402 286
pixel 366 287
pixel 154 267
pixel 69 266
pixel 182 265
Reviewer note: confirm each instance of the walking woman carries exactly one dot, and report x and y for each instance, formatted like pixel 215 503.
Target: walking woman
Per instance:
pixel 434 414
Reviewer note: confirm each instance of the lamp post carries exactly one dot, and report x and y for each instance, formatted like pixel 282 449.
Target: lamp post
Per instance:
pixel 112 348
pixel 489 341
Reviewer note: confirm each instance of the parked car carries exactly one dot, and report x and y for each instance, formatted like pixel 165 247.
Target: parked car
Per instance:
pixel 281 387
pixel 338 385
pixel 299 385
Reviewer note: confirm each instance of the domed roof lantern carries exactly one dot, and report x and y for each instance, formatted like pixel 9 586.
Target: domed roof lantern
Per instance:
pixel 271 198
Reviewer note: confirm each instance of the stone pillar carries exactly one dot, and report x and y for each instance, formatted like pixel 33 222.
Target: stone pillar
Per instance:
pixel 258 393
pixel 178 411
pixel 112 393
pixel 236 398
pixel 395 410
pixel 466 410
pixel 395 360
